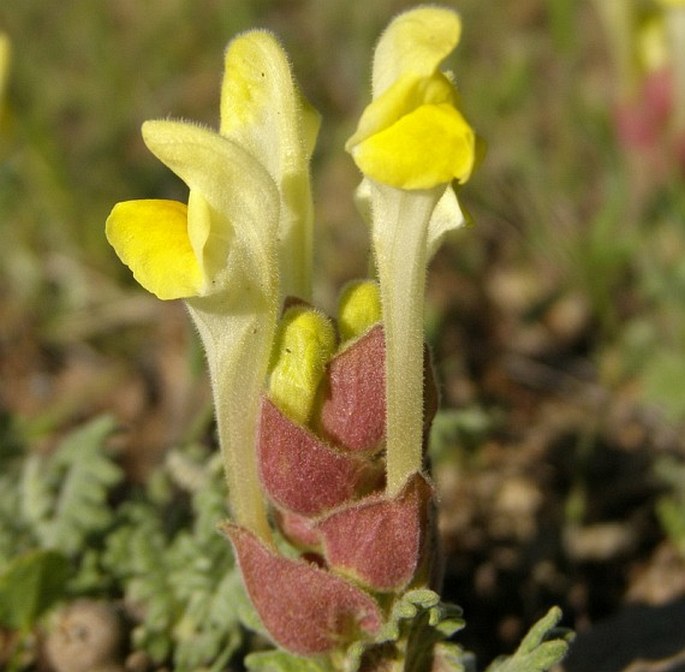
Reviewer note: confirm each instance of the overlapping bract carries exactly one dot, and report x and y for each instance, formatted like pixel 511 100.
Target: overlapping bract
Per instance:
pixel 325 483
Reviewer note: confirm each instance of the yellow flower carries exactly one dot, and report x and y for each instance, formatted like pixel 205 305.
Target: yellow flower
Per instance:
pixel 359 308
pixel 178 251
pixel 412 135
pixel 249 188
pixel 264 111
pixel 305 341
pixel 411 144
pixel 242 241
pixel 652 43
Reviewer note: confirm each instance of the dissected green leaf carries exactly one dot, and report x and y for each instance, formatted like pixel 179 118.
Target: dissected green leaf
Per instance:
pixel 64 496
pixel 90 473
pixel 137 554
pixel 30 585
pixel 417 624
pixel 280 661
pixel 543 647
pixel 169 558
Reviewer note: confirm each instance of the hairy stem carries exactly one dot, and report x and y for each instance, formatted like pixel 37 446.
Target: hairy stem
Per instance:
pixel 238 347
pixel 400 230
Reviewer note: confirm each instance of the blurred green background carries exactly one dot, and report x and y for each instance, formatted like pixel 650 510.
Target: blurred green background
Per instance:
pixel 558 318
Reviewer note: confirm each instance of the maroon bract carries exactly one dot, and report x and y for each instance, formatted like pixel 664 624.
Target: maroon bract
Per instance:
pixel 298 529
pixel 353 408
pixel 305 609
pixel 326 484
pixel 379 542
pixel 353 411
pixel 303 474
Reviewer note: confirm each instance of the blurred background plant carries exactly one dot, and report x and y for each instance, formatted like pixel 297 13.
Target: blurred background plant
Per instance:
pixel 557 322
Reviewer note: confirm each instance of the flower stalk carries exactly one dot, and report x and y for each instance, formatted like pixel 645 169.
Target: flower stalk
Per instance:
pixel 619 19
pixel 675 19
pixel 5 53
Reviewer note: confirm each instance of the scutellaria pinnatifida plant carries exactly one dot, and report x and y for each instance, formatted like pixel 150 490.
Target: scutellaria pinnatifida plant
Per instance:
pixel 322 422
pixel 647 44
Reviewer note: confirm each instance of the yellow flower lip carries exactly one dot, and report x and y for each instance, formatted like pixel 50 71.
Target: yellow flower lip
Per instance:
pixel 178 251
pixel 150 236
pixel 412 135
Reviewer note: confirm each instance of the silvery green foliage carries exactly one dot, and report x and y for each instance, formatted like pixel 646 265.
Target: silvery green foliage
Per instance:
pixel 420 626
pixel 64 496
pixel 421 620
pixel 159 549
pixel 49 506
pixel 180 575
pixel 542 648
pixel 57 500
